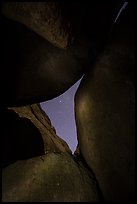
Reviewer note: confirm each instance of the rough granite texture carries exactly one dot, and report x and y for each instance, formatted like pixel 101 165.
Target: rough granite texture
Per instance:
pixel 39 118
pixel 45 18
pixel 49 178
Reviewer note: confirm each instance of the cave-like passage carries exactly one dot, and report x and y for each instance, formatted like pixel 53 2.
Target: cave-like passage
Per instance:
pixel 61 113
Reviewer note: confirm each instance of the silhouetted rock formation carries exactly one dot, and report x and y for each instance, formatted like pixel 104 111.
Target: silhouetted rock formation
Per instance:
pixel 52 143
pixel 105 114
pixel 20 138
pixel 35 70
pixel 35 67
pixel 28 132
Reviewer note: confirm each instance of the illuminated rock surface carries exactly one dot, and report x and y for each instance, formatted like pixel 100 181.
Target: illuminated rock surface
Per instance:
pixel 105 113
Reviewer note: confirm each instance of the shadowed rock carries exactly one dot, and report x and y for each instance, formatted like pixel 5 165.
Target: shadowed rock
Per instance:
pixel 52 142
pixel 105 112
pixel 50 178
pixel 27 132
pixel 45 18
pixel 32 69
pixel 20 138
pixel 60 22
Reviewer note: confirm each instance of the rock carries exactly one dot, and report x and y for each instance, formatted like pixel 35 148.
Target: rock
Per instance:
pixel 44 18
pixel 33 70
pixel 27 132
pixel 105 114
pixel 52 142
pixel 59 22
pixel 77 152
pixel 20 138
pixel 49 178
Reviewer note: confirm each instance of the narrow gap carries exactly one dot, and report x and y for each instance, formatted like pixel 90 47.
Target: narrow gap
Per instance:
pixel 121 9
pixel 61 113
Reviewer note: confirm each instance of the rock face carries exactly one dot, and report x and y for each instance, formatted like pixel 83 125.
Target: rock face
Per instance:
pixel 54 175
pixel 44 18
pixel 37 71
pixel 37 164
pixel 28 132
pixel 105 108
pixel 31 64
pixel 52 143
pixel 60 22
pixel 20 138
pixel 50 178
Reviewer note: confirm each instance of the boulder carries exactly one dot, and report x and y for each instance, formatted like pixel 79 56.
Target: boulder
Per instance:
pixel 105 113
pixel 33 70
pixel 59 22
pixel 49 178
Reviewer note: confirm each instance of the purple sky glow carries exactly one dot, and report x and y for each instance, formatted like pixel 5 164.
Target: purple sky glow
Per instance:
pixel 61 113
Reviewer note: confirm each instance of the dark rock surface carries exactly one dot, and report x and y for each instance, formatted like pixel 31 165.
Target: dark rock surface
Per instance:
pixel 60 22
pixel 27 132
pixel 105 114
pixel 52 142
pixel 32 69
pixel 37 164
pixel 44 18
pixel 20 138
pixel 49 178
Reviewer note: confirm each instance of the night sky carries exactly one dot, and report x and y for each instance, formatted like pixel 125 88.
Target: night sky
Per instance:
pixel 61 113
